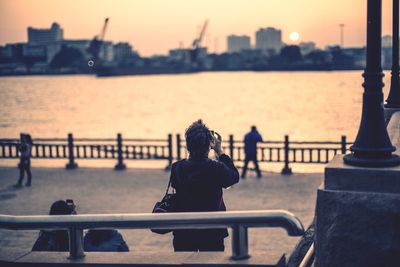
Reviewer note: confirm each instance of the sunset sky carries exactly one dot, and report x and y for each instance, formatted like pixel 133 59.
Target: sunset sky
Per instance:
pixel 155 26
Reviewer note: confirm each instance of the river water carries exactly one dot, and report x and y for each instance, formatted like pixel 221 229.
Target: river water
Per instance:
pixel 308 106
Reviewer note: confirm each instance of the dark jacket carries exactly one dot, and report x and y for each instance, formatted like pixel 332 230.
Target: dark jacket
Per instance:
pixel 52 241
pixel 250 142
pixel 108 241
pixel 25 154
pixel 198 185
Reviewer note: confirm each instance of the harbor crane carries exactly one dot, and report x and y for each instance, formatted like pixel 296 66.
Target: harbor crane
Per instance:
pixel 196 45
pixel 96 43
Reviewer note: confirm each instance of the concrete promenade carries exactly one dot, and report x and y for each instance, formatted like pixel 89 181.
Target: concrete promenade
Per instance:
pixel 136 191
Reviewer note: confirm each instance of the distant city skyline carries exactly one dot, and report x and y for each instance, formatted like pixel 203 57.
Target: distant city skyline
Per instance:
pixel 155 26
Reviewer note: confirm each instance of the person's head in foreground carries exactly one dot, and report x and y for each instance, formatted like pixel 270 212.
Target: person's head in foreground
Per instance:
pixel 55 240
pixel 199 140
pixel 62 207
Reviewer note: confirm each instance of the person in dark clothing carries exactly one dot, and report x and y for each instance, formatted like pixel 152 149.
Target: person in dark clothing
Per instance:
pixel 104 240
pixel 25 160
pixel 56 240
pixel 198 182
pixel 250 149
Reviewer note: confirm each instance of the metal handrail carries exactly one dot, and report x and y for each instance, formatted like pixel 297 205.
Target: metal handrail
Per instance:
pixel 239 221
pixel 309 257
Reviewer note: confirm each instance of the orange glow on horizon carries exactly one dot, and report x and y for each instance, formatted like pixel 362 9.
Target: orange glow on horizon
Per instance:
pixel 155 26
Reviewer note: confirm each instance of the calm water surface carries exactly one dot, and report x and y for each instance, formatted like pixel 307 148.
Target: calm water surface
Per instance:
pixel 305 105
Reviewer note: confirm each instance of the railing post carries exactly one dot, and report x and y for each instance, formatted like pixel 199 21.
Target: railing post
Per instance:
pixel 76 243
pixel 71 164
pixel 344 144
pixel 178 147
pixel 170 155
pixel 231 145
pixel 120 165
pixel 286 170
pixel 240 246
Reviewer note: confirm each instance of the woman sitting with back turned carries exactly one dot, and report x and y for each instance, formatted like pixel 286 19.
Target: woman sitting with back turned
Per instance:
pixel 198 182
pixel 55 240
pixel 105 240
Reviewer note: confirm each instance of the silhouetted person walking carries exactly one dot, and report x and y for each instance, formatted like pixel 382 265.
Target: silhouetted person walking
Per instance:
pixel 25 149
pixel 250 149
pixel 198 182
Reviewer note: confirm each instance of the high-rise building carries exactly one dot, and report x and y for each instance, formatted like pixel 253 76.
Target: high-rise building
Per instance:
pixel 44 36
pixel 269 39
pixel 238 43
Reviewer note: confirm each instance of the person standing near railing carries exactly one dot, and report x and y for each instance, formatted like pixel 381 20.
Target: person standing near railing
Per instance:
pixel 25 149
pixel 198 182
pixel 250 149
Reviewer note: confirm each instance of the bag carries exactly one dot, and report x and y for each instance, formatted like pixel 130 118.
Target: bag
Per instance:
pixel 165 205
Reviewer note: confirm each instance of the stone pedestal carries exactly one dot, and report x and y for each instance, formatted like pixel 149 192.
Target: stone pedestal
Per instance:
pixel 358 216
pixel 358 212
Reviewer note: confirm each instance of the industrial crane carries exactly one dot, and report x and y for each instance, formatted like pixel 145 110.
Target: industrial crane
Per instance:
pixel 95 45
pixel 196 45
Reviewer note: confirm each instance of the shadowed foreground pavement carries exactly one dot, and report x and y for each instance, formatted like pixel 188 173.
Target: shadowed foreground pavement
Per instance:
pixel 136 191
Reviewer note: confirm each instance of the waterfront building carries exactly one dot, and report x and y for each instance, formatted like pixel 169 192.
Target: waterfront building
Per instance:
pixel 269 39
pixel 80 44
pixel 52 48
pixel 358 55
pixel 307 47
pixel 44 36
pixel 34 51
pixel 6 51
pixel 179 54
pixel 387 41
pixel 387 51
pixel 238 43
pixel 18 52
pixel 122 52
pixel 107 52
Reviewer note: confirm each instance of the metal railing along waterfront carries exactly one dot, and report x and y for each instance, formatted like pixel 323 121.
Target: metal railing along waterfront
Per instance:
pixel 285 151
pixel 238 221
pixel 119 149
pixel 93 148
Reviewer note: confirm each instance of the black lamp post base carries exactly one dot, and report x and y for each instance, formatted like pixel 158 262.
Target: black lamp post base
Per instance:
pixel 393 160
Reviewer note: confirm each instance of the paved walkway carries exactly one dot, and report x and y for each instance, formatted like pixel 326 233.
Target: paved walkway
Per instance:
pixel 136 190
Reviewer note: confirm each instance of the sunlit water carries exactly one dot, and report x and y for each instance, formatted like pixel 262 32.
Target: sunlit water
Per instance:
pixel 306 105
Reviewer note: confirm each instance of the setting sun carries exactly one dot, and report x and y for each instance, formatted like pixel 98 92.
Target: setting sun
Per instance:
pixel 294 36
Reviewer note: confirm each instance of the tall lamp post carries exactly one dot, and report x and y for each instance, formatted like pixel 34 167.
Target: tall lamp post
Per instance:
pixel 393 100
pixel 341 25
pixel 373 147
